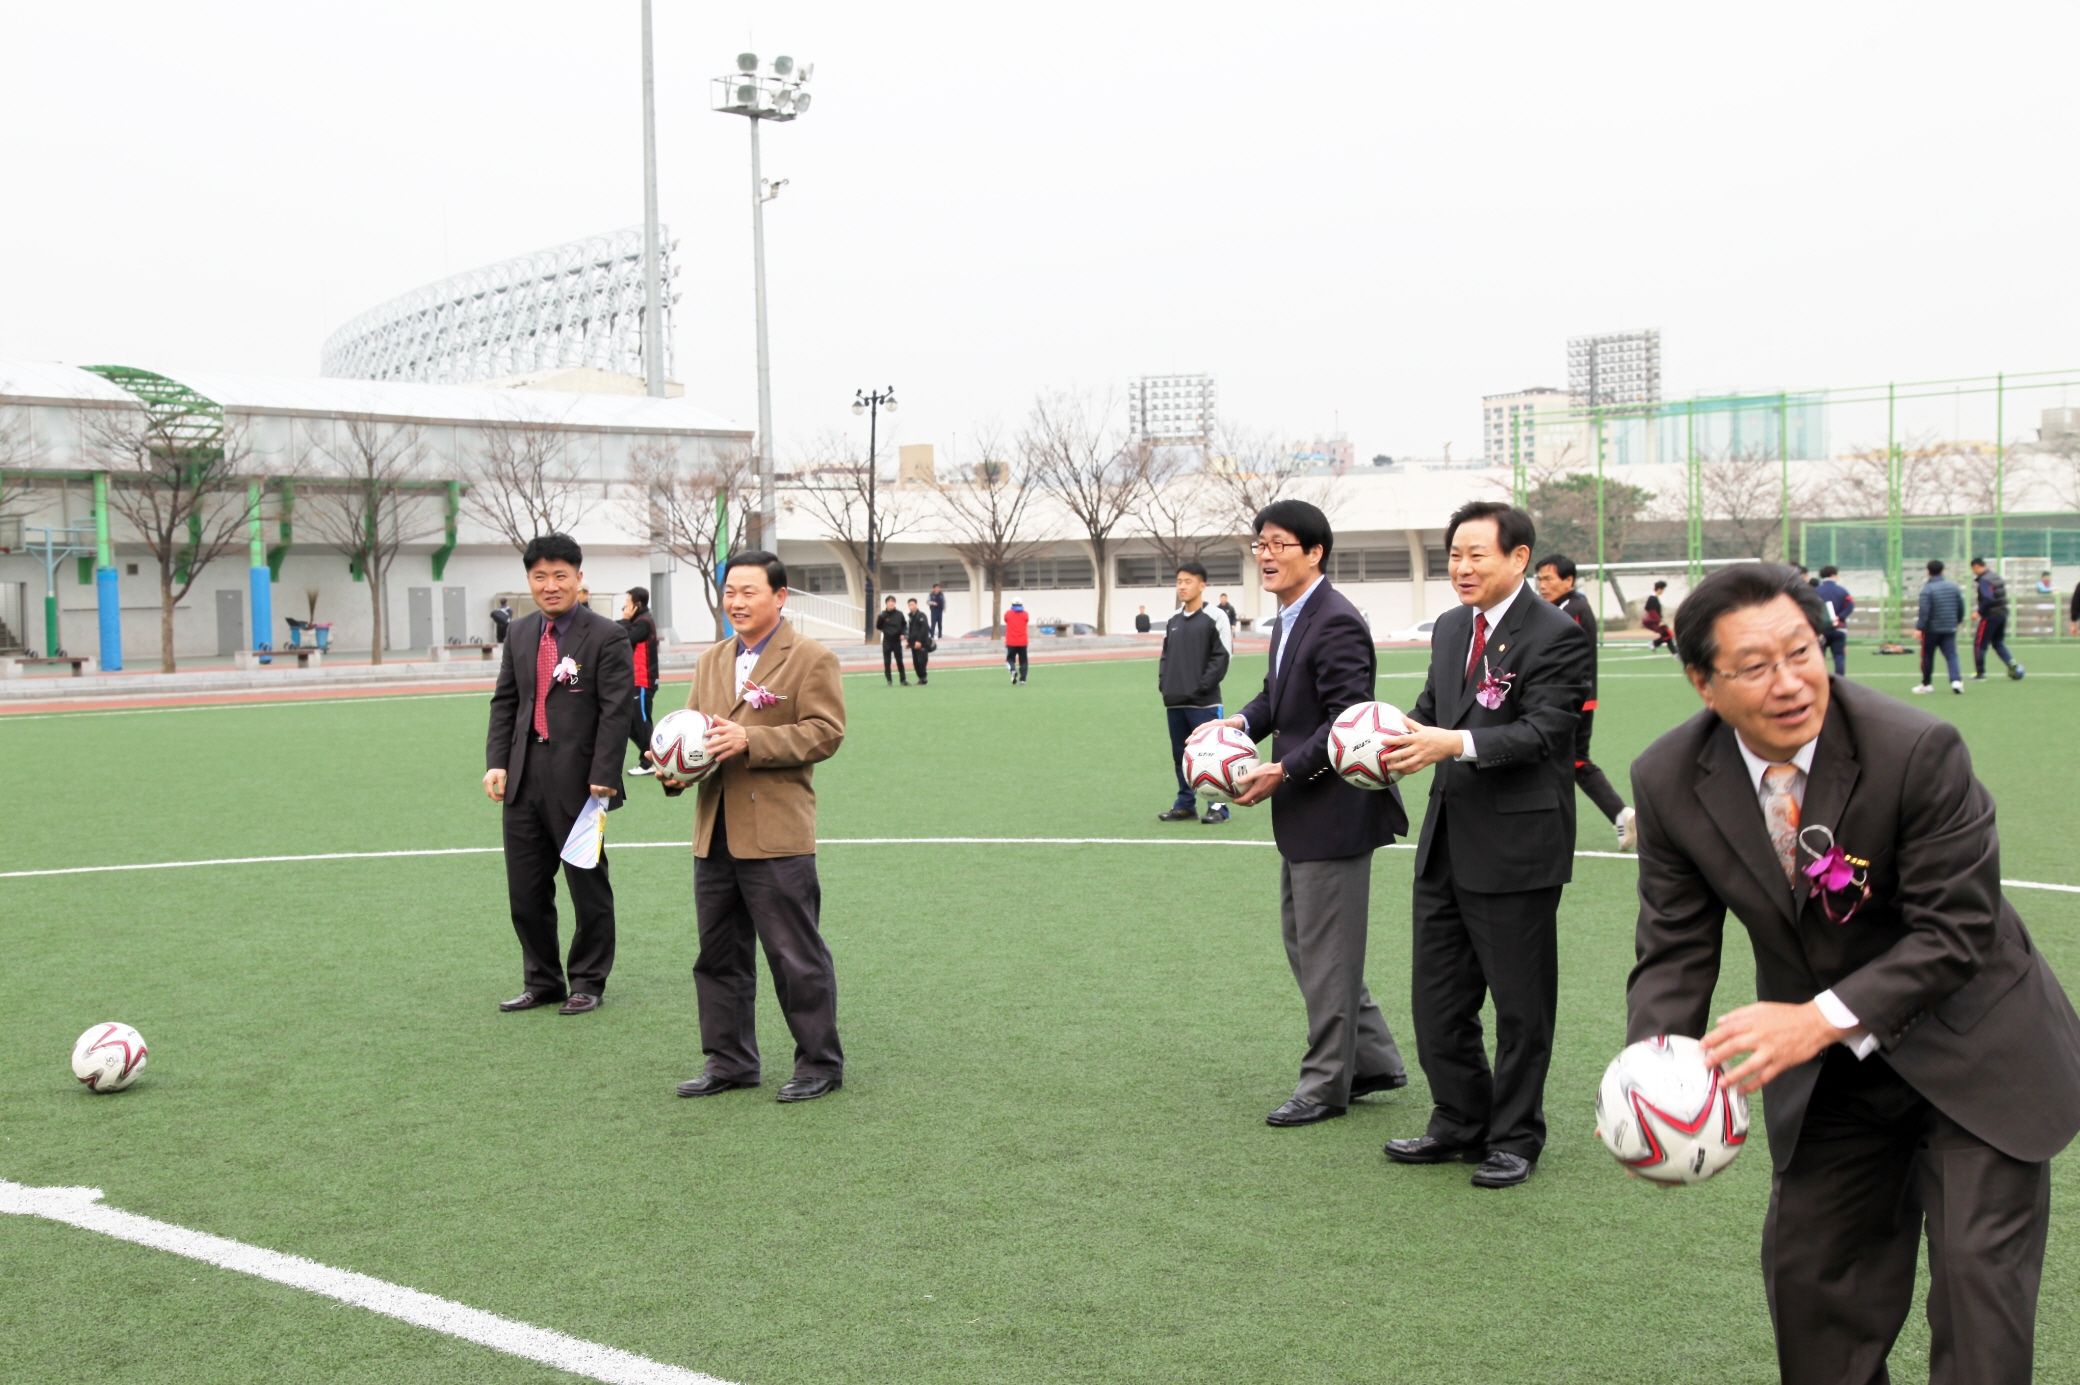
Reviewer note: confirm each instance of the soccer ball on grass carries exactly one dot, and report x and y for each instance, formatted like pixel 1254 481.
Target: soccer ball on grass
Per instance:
pixel 108 1057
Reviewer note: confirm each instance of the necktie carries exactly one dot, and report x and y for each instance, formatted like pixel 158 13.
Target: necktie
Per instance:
pixel 1480 643
pixel 1780 814
pixel 544 670
pixel 1277 623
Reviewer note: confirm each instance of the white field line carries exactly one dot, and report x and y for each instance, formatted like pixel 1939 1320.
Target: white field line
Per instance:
pixel 827 841
pixel 82 1207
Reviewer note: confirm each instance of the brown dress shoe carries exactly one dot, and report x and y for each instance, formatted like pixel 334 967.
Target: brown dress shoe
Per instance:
pixel 527 1000
pixel 581 1004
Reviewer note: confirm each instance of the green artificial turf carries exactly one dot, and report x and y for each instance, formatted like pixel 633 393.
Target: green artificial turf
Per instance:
pixel 1049 1160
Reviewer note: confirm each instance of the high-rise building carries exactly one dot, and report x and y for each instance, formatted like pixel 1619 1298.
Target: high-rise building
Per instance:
pixel 1538 426
pixel 1174 410
pixel 1616 368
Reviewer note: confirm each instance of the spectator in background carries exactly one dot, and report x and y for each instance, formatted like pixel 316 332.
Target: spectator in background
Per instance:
pixel 642 640
pixel 1840 605
pixel 1196 647
pixel 937 603
pixel 1556 575
pixel 1655 619
pixel 921 642
pixel 1141 621
pixel 1229 611
pixel 2073 613
pixel 1942 611
pixel 2044 582
pixel 501 617
pixel 1015 621
pixel 893 629
pixel 1991 593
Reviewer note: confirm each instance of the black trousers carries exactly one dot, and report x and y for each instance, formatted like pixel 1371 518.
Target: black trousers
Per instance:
pixel 918 655
pixel 1838 645
pixel 1015 660
pixel 640 725
pixel 892 648
pixel 1588 775
pixel 1469 945
pixel 535 830
pixel 1875 1163
pixel 1991 634
pixel 777 901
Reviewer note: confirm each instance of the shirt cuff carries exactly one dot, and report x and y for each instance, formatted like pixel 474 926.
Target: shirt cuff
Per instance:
pixel 1858 1042
pixel 1466 745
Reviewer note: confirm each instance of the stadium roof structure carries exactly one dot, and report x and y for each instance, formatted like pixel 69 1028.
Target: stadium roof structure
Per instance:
pixel 576 304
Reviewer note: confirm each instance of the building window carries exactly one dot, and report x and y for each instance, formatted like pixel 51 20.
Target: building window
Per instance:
pixel 919 577
pixel 820 579
pixel 1434 566
pixel 1050 574
pixel 1152 570
pixel 1369 565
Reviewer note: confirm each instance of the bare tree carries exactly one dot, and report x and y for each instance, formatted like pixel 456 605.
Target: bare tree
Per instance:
pixel 834 493
pixel 2056 463
pixel 1177 506
pixel 19 451
pixel 525 480
pixel 1861 482
pixel 1744 493
pixel 1070 446
pixel 365 503
pixel 990 519
pixel 178 489
pixel 1248 469
pixel 697 512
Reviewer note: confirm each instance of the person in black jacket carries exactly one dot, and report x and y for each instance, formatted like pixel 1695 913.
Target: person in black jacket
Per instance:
pixel 921 642
pixel 893 629
pixel 1188 674
pixel 1556 577
pixel 1992 633
pixel 642 641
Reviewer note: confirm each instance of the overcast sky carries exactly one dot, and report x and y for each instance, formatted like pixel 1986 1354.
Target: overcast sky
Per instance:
pixel 1366 213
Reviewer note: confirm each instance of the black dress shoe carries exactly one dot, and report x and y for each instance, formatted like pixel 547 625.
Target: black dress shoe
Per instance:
pixel 527 1000
pixel 706 1085
pixel 581 1004
pixel 1501 1169
pixel 1177 815
pixel 810 1088
pixel 1385 1082
pixel 1424 1149
pixel 1301 1111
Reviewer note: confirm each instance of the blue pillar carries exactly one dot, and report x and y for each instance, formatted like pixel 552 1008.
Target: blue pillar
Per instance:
pixel 263 609
pixel 107 600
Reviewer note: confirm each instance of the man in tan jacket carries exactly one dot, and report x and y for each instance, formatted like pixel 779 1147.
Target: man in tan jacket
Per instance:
pixel 779 708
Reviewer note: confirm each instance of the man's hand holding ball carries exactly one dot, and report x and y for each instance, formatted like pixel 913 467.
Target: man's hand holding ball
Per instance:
pixel 1263 782
pixel 1422 747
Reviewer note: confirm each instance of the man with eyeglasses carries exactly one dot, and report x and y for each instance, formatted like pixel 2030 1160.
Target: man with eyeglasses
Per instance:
pixel 1922 1062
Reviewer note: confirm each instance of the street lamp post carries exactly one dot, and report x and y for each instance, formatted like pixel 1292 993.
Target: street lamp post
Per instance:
pixel 871 405
pixel 772 95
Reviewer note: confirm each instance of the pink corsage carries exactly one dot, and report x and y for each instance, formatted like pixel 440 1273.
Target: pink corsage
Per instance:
pixel 566 671
pixel 1494 687
pixel 1835 872
pixel 759 698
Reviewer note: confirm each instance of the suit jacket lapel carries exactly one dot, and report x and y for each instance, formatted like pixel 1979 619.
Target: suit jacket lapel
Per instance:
pixel 777 645
pixel 525 633
pixel 1292 644
pixel 1728 796
pixel 1834 774
pixel 1499 640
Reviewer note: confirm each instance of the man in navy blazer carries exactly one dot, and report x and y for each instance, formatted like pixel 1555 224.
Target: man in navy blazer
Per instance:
pixel 1322 662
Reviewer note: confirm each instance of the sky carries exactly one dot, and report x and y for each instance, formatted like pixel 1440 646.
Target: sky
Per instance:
pixel 1356 215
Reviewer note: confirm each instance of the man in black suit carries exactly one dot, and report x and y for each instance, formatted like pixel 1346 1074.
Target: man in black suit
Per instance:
pixel 1497 717
pixel 893 629
pixel 1922 1061
pixel 921 642
pixel 561 710
pixel 1321 663
pixel 1556 583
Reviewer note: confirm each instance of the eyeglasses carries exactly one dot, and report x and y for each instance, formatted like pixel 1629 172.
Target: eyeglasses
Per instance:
pixel 1259 547
pixel 1753 674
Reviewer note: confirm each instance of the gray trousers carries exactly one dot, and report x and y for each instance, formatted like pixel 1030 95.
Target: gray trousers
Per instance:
pixel 1323 910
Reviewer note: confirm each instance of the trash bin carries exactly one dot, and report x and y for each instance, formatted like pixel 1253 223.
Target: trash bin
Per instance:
pixel 323 632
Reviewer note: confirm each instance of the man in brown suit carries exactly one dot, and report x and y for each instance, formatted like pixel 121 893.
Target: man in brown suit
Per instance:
pixel 779 709
pixel 1923 1063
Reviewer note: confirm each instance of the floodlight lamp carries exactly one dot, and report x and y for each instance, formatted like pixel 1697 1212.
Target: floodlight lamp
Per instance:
pixel 801 101
pixel 783 65
pixel 808 70
pixel 747 95
pixel 747 62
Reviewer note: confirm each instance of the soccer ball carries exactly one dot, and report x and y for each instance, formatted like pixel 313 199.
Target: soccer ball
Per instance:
pixel 1358 740
pixel 678 747
pixel 1668 1117
pixel 1216 757
pixel 108 1057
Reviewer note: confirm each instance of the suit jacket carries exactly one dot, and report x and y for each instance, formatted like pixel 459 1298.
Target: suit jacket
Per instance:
pixel 1512 808
pixel 1935 963
pixel 588 716
pixel 768 794
pixel 1329 666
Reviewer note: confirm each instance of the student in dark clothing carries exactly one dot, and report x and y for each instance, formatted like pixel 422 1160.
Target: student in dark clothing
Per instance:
pixel 642 639
pixel 893 629
pixel 1142 624
pixel 1556 573
pixel 1655 619
pixel 1993 622
pixel 921 642
pixel 501 617
pixel 1234 620
pixel 937 602
pixel 1940 612
pixel 1196 648
pixel 1841 605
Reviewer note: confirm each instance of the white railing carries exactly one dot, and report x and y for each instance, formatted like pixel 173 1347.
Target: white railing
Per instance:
pixel 822 615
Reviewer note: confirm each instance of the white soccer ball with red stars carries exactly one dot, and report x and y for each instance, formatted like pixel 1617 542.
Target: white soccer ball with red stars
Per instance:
pixel 108 1057
pixel 679 746
pixel 1668 1117
pixel 1358 740
pixel 1216 760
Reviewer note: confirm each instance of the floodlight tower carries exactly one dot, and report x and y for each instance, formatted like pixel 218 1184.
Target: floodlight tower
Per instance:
pixel 775 94
pixel 653 286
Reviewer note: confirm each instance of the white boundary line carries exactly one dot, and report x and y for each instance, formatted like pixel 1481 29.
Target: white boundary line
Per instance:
pixel 82 1207
pixel 827 841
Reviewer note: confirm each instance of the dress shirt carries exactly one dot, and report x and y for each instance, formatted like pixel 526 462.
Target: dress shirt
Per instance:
pixel 1494 614
pixel 1287 616
pixel 747 659
pixel 559 626
pixel 1859 1042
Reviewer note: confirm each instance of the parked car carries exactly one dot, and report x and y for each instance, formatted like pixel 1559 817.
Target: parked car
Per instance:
pixel 1419 633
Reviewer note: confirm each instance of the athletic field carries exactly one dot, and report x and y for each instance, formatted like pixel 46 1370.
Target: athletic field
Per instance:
pixel 1048 1162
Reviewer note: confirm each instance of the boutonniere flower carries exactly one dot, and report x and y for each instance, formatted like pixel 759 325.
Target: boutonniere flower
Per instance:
pixel 759 698
pixel 566 671
pixel 1494 686
pixel 1834 873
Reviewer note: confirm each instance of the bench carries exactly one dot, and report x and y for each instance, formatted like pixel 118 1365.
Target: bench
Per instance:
pixel 81 664
pixel 443 653
pixel 306 656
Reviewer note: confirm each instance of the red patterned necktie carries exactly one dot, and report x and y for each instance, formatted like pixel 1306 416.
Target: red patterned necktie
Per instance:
pixel 1480 643
pixel 1780 814
pixel 544 670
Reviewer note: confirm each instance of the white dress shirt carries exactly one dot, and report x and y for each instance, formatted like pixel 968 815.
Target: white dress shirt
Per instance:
pixel 1287 616
pixel 747 659
pixel 1494 614
pixel 1859 1042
